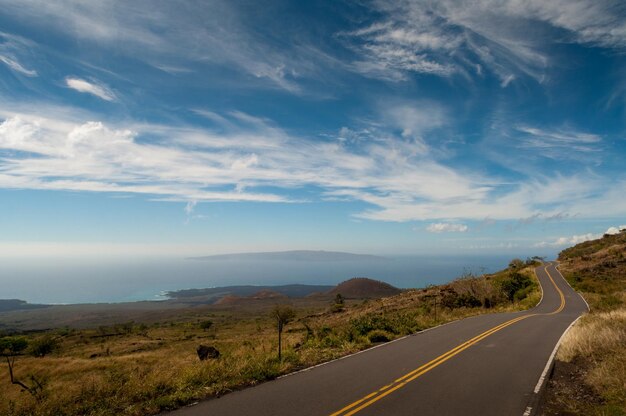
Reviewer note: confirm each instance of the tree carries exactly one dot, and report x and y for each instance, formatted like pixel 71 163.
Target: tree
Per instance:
pixel 10 348
pixel 338 303
pixel 282 314
pixel 516 264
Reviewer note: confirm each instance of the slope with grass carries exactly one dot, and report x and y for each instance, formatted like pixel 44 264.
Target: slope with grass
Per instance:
pixel 590 372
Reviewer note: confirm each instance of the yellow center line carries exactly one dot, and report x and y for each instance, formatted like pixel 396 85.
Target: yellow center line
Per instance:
pixel 373 397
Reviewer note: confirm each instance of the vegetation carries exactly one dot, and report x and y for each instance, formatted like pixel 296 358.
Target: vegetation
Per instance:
pixel 590 375
pixel 138 368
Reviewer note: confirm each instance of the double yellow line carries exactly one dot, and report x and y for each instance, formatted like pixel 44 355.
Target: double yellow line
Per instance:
pixel 562 306
pixel 373 397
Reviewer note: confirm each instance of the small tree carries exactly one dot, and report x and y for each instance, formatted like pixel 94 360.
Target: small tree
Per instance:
pixel 338 304
pixel 282 314
pixel 10 348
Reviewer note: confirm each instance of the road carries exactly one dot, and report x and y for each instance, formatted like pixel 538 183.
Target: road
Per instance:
pixel 484 365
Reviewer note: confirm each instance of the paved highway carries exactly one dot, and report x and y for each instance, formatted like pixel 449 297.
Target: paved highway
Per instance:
pixel 484 365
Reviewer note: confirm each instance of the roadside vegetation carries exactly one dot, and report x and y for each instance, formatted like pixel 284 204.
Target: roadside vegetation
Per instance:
pixel 136 368
pixel 590 371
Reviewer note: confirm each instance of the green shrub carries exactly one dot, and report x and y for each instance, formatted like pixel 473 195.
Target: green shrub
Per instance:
pixel 367 323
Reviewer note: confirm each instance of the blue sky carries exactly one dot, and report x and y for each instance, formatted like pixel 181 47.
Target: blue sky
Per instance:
pixel 192 127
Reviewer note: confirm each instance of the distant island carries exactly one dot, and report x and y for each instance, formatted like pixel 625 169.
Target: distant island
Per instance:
pixel 17 305
pixel 292 255
pixel 215 293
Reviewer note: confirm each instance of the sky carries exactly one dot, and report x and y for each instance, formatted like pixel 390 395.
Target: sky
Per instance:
pixel 405 127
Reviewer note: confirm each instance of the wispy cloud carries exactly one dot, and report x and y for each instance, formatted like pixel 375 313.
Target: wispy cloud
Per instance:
pixel 193 35
pixel 11 48
pixel 445 227
pixel 563 139
pixel 448 37
pixel 92 88
pixel 16 66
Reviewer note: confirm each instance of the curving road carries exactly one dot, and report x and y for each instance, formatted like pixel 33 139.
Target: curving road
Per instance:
pixel 484 365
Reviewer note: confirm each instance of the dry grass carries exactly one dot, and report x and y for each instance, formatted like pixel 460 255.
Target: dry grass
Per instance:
pixel 599 339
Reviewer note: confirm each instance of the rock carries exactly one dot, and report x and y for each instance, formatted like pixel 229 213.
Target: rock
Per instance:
pixel 206 352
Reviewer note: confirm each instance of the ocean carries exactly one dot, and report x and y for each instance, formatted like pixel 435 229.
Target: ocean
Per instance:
pixel 70 281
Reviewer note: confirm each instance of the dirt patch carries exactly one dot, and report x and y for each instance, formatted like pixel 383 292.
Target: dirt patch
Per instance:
pixel 567 393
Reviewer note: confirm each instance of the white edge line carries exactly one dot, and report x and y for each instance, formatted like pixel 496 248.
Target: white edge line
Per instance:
pixel 370 348
pixel 551 359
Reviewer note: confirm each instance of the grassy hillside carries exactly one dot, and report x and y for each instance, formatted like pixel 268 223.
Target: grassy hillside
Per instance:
pixel 135 368
pixel 590 371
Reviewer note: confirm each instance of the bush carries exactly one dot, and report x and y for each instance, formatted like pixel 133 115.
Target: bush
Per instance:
pixel 44 346
pixel 513 283
pixel 206 325
pixel 378 335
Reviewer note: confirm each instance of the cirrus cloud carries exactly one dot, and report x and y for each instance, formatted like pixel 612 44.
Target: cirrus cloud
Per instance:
pixel 92 88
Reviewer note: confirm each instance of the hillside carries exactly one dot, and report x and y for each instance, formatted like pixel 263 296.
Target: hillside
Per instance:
pixel 589 375
pixel 364 288
pixel 597 266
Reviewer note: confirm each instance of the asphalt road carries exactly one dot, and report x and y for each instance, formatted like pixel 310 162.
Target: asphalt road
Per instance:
pixel 484 365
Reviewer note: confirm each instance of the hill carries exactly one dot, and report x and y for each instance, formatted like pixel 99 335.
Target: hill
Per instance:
pixel 589 375
pixel 209 295
pixel 293 255
pixel 363 288
pixel 597 266
pixel 18 305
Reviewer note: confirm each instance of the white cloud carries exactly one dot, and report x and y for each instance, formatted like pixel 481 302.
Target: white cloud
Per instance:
pixel 615 230
pixel 98 90
pixel 577 239
pixel 391 171
pixel 569 241
pixel 442 227
pixel 16 66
